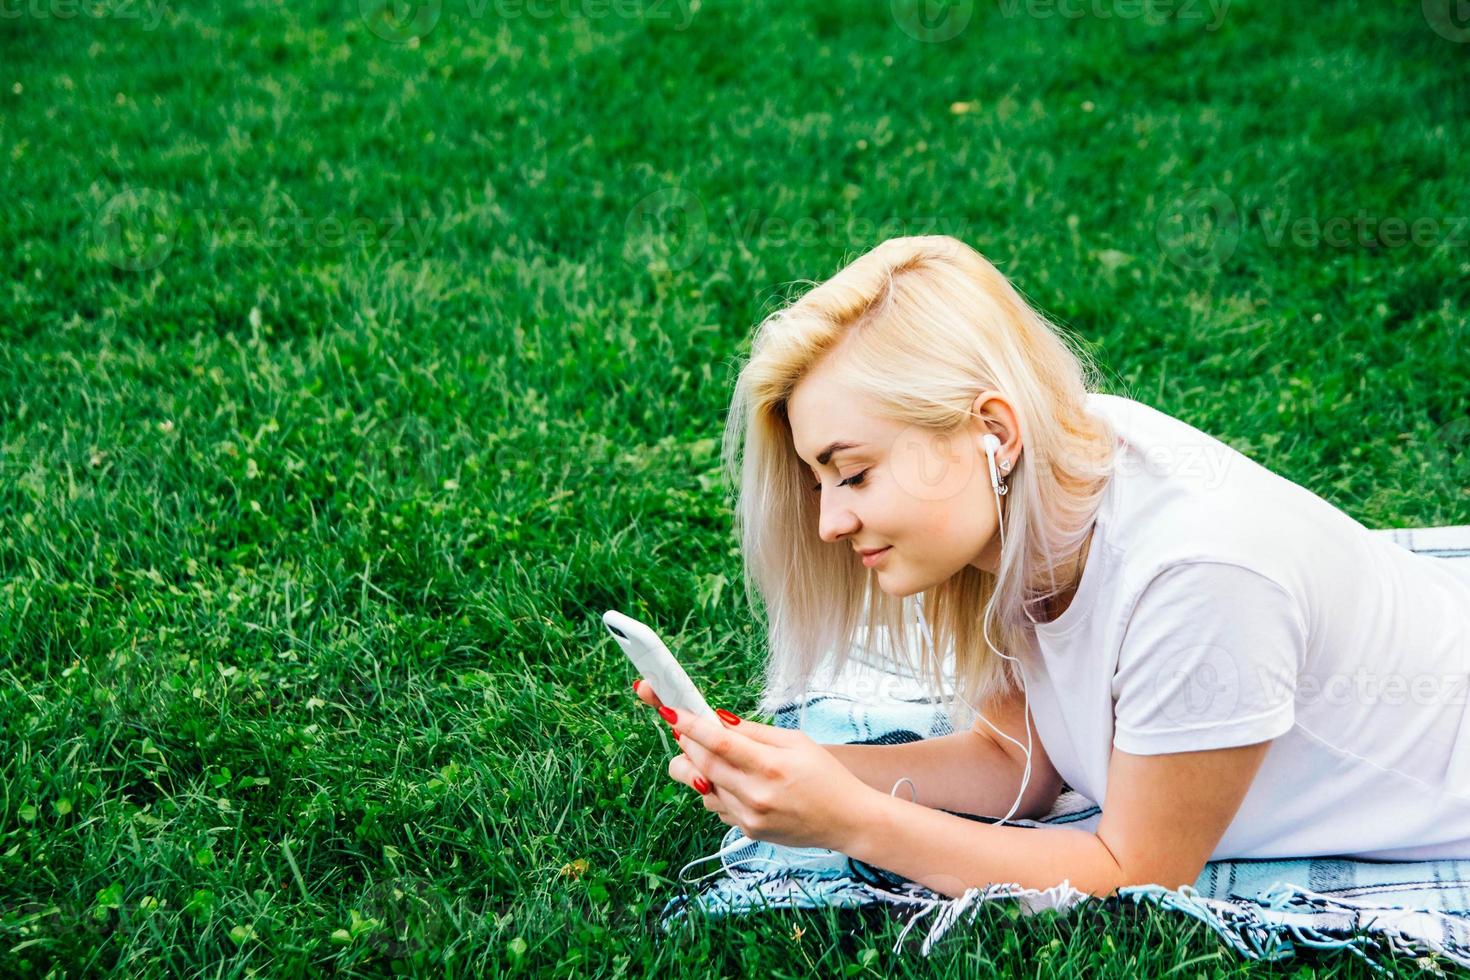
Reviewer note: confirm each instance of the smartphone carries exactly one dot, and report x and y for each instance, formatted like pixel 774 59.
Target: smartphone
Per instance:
pixel 656 664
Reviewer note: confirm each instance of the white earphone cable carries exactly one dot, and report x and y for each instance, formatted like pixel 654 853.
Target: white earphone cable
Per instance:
pixel 991 444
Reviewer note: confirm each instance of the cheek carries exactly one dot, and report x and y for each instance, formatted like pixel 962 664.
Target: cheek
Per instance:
pixel 949 521
pixel 936 521
pixel 921 518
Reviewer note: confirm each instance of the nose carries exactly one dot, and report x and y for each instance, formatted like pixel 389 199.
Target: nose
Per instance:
pixel 837 519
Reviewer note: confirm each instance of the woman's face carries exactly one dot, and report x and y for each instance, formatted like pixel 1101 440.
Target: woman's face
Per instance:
pixel 924 496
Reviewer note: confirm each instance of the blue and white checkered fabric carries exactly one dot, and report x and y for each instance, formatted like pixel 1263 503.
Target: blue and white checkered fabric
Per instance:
pixel 1265 909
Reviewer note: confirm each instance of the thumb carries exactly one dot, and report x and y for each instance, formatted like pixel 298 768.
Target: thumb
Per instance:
pixel 754 730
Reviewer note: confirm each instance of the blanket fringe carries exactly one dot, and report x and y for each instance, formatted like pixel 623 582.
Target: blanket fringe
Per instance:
pixel 1288 917
pixel 1270 926
pixel 950 911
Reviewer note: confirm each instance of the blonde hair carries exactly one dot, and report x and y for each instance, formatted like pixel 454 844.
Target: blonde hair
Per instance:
pixel 924 324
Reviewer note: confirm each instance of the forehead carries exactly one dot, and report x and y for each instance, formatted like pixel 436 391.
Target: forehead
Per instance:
pixel 823 411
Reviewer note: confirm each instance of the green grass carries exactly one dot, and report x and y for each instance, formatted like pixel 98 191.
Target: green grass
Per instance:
pixel 346 381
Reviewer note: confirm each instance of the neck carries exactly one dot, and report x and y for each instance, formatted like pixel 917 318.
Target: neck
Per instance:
pixel 1062 600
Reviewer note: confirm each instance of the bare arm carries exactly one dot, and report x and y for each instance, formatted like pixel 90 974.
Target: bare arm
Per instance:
pixel 965 772
pixel 1163 817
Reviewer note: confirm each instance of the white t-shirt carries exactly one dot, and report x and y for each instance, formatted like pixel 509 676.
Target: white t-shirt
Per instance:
pixel 1222 605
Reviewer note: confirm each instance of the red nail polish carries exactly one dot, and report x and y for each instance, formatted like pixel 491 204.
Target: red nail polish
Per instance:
pixel 702 784
pixel 677 736
pixel 668 714
pixel 726 717
pixel 635 684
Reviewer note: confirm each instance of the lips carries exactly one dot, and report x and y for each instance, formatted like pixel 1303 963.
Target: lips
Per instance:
pixel 865 552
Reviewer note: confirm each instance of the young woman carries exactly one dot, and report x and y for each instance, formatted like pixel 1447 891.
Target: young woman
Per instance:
pixel 1229 664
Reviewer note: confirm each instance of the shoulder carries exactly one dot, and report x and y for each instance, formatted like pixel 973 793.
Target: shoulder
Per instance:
pixel 1209 658
pixel 1211 588
pixel 1217 618
pixel 1181 496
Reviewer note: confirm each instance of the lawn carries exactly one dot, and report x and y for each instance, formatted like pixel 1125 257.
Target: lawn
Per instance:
pixel 356 359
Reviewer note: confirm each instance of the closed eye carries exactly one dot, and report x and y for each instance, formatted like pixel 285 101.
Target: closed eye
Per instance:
pixel 853 481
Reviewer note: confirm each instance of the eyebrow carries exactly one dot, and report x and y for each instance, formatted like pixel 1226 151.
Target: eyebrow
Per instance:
pixel 826 454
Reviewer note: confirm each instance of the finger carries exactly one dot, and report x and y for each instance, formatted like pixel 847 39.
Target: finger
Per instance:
pixel 766 734
pixel 721 752
pixel 644 690
pixel 717 804
pixel 683 770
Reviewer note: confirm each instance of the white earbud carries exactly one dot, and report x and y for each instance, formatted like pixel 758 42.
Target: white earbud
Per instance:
pixel 992 446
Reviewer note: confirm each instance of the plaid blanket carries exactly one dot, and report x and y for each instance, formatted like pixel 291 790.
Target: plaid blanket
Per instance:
pixel 1264 909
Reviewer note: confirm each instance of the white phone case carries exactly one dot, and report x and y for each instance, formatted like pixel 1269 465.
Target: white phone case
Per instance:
pixel 656 664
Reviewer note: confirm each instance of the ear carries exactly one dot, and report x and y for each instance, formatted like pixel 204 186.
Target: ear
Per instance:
pixel 991 412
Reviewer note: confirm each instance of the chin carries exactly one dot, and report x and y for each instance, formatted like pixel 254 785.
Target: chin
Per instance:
pixel 889 585
pixel 901 588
